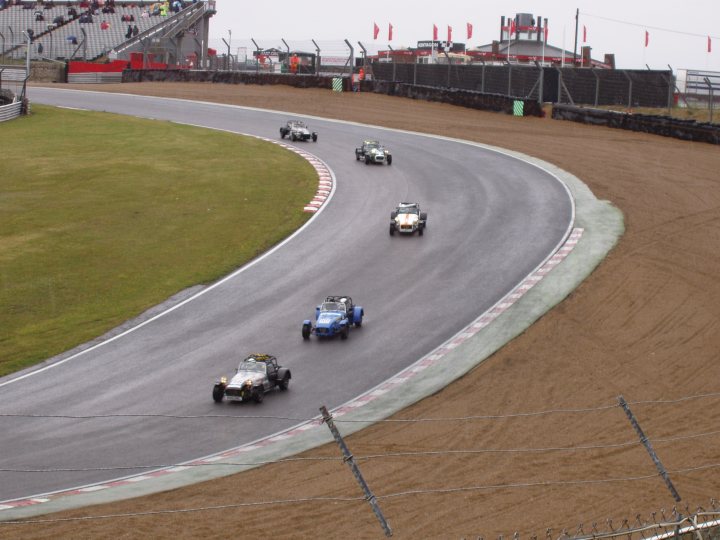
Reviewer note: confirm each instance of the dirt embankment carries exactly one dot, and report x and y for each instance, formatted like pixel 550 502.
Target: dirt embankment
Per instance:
pixel 643 325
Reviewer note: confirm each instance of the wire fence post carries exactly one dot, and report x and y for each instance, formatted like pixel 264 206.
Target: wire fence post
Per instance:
pixel 629 88
pixel 712 96
pixel 350 460
pixel 649 448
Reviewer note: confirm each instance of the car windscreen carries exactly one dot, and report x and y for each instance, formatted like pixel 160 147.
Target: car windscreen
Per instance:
pixel 251 366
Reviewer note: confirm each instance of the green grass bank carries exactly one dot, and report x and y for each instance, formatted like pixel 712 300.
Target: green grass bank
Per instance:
pixel 103 216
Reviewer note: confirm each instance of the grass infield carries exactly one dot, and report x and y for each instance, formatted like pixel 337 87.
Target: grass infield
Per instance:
pixel 103 216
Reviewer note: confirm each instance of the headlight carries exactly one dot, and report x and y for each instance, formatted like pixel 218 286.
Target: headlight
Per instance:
pixel 248 382
pixel 223 380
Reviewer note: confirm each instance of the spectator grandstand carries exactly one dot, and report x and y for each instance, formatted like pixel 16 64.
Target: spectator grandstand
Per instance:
pixel 89 30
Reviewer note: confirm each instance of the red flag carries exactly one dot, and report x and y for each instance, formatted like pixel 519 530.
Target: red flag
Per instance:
pixel 376 30
pixel 390 29
pixel 469 31
pixel 709 44
pixel 512 27
pixel 449 34
pixel 584 34
pixel 434 33
pixel 647 38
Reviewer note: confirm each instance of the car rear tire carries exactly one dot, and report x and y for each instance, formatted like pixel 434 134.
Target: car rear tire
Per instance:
pixel 218 394
pixel 284 382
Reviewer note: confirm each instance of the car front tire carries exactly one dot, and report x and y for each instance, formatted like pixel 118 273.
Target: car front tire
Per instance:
pixel 218 394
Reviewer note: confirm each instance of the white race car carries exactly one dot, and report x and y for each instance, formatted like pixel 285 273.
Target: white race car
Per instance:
pixel 254 376
pixel 407 218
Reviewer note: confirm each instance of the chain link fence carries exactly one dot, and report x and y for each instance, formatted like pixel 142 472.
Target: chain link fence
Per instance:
pixel 631 88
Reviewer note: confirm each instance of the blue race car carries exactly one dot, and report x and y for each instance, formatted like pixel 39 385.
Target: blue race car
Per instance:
pixel 334 316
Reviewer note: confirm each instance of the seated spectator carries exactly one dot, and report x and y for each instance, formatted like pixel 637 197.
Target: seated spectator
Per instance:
pixel 58 20
pixel 104 25
pixel 31 33
pixel 39 16
pixel 72 12
pixel 136 30
pixel 128 34
pixel 2 4
pixel 72 39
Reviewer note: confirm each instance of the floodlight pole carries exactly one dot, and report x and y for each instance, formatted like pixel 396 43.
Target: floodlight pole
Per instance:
pixel 577 17
pixel 317 57
pixel 351 58
pixel 287 60
pixel 364 54
pixel 257 56
pixel 27 54
pixel 227 59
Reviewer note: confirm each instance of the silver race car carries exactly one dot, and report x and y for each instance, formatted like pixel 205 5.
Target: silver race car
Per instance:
pixel 254 377
pixel 297 131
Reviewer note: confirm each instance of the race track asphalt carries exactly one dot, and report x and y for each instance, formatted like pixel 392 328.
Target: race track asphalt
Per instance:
pixel 492 219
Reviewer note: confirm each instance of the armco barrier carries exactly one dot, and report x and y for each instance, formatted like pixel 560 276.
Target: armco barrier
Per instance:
pixel 11 111
pixel 94 77
pixel 688 130
pixel 463 98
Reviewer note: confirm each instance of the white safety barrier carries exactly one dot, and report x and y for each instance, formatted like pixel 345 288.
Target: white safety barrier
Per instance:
pixel 11 111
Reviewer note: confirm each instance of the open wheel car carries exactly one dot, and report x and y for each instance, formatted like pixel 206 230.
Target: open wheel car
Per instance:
pixel 334 317
pixel 373 152
pixel 407 218
pixel 297 131
pixel 254 377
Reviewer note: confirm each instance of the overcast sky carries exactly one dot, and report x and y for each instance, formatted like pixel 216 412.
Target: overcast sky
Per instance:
pixel 678 29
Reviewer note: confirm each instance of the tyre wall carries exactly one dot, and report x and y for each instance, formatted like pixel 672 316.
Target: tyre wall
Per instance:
pixel 228 77
pixel 455 96
pixel 688 130
pixel 462 98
